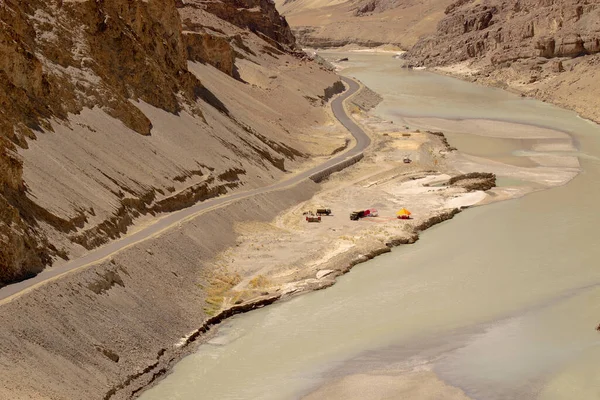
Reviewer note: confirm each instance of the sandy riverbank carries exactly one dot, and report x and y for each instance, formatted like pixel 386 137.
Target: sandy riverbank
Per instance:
pixel 289 255
pixel 147 300
pixel 376 385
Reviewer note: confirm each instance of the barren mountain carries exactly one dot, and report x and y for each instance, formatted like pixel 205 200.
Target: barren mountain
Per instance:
pixel 543 48
pixel 112 110
pixel 113 113
pixel 335 23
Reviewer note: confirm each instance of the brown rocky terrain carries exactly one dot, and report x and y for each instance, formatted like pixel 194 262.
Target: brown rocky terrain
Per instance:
pixel 543 48
pixel 112 111
pixel 258 16
pixel 370 23
pixel 56 59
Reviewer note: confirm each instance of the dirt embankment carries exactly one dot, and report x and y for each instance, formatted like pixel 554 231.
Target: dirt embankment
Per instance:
pixel 106 331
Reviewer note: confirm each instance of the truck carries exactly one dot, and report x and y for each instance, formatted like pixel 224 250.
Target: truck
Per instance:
pixel 313 218
pixel 323 211
pixel 356 215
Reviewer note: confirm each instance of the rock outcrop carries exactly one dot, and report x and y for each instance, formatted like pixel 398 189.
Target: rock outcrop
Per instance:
pixel 474 181
pixel 536 47
pixel 212 48
pixel 259 16
pixel 368 23
pixel 103 120
pixel 511 30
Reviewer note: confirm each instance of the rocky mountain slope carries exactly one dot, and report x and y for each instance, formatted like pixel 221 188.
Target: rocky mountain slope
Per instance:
pixel 115 110
pixel 112 113
pixel 258 16
pixel 543 48
pixel 335 23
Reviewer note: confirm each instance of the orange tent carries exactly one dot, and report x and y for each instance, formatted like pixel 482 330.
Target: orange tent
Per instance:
pixel 403 213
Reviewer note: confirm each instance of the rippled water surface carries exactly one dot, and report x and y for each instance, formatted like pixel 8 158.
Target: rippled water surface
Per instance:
pixel 500 302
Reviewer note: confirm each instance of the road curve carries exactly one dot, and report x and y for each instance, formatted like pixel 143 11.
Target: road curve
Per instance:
pixel 10 292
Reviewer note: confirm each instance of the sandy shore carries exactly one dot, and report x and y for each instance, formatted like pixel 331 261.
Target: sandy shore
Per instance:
pixel 377 385
pixel 289 255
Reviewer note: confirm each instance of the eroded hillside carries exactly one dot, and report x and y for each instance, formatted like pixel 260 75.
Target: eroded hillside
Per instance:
pixel 333 23
pixel 543 48
pixel 114 110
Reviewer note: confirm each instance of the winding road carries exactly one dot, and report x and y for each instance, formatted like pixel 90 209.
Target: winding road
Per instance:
pixel 10 292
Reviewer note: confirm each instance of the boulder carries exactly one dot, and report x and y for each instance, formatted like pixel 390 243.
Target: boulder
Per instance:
pixel 557 66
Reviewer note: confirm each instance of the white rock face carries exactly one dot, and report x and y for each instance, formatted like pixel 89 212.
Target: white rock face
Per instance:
pixel 323 273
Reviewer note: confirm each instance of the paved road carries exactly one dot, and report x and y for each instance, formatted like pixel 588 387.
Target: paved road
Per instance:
pixel 9 292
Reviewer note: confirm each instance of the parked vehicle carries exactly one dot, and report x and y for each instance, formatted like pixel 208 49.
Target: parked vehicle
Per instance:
pixel 371 212
pixel 356 215
pixel 323 211
pixel 313 218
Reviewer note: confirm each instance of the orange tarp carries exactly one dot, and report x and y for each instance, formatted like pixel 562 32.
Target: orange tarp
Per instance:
pixel 403 211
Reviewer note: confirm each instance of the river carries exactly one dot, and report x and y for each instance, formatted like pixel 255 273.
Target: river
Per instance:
pixel 500 303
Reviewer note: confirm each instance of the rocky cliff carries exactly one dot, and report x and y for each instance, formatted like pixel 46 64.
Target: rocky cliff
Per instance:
pixel 513 30
pixel 258 16
pixel 538 47
pixel 369 23
pixel 59 57
pixel 106 115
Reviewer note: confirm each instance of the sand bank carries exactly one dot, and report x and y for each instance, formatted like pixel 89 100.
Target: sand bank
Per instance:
pixel 290 256
pixel 376 385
